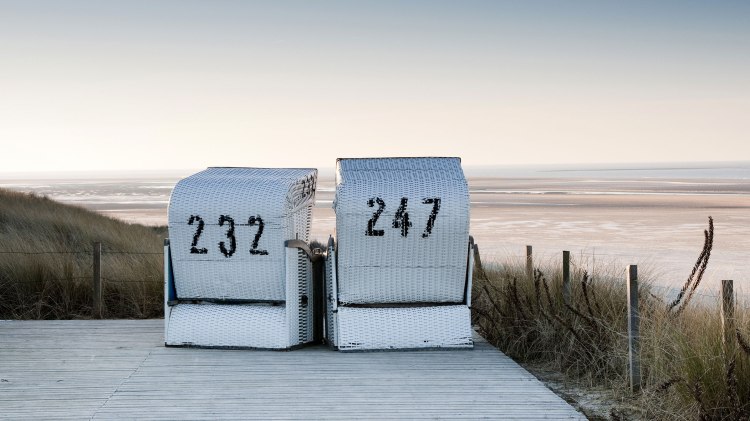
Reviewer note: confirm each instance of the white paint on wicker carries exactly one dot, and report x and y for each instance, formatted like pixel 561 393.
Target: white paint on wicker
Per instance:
pixel 393 268
pixel 415 284
pixel 369 274
pixel 249 325
pixel 168 285
pixel 331 293
pixel 283 199
pixel 257 326
pixel 299 317
pixel 404 328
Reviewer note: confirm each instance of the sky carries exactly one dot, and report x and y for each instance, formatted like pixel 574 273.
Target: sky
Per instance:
pixel 151 85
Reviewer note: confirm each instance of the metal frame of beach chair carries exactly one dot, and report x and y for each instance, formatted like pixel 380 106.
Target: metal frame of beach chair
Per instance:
pixel 238 273
pixel 398 275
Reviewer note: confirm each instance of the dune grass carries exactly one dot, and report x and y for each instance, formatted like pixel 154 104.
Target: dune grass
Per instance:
pixel 687 371
pixel 46 262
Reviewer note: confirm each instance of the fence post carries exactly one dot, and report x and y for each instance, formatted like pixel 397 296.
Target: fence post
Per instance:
pixel 566 277
pixel 727 318
pixel 634 358
pixel 478 268
pixel 97 280
pixel 529 264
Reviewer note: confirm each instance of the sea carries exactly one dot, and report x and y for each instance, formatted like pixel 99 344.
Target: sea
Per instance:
pixel 606 216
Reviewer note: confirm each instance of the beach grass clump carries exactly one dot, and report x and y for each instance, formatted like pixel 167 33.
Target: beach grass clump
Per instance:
pixel 46 262
pixel 688 370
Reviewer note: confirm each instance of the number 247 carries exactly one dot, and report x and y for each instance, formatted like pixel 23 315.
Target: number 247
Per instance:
pixel 401 219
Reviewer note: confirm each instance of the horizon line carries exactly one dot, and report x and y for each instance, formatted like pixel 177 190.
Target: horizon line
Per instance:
pixel 329 170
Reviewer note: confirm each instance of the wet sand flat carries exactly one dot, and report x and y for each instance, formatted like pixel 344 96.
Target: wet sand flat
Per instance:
pixel 655 223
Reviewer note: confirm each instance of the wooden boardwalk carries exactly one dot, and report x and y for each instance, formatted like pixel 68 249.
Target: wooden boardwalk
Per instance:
pixel 114 369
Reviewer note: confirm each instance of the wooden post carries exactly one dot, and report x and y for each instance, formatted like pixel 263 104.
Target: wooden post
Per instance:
pixel 529 264
pixel 566 277
pixel 634 358
pixel 97 280
pixel 478 268
pixel 727 319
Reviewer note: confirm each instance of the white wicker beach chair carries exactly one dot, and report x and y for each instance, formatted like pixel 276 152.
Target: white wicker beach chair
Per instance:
pixel 399 271
pixel 237 269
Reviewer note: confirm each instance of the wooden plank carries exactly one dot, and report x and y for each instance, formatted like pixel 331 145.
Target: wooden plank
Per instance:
pixel 104 369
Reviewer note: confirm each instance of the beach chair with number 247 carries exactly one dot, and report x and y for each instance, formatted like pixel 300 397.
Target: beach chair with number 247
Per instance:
pixel 399 267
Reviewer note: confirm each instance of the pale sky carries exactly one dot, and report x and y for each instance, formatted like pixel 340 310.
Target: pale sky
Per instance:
pixel 147 85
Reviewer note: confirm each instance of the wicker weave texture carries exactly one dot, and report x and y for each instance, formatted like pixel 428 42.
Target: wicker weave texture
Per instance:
pixel 331 323
pixel 402 225
pixel 404 328
pixel 250 325
pixel 209 325
pixel 298 312
pixel 251 264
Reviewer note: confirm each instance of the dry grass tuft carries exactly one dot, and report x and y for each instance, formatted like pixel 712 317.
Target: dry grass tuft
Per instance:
pixel 698 270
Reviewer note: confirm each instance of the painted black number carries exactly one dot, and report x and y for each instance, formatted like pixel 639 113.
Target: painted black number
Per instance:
pixel 433 215
pixel 371 231
pixel 230 235
pixel 307 187
pixel 257 220
pixel 194 246
pixel 401 220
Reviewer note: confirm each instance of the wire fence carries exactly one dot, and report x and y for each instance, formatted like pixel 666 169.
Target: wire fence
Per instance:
pixel 87 282
pixel 45 252
pixel 598 265
pixel 105 279
pixel 665 291
pixel 586 262
pixel 93 256
pixel 88 252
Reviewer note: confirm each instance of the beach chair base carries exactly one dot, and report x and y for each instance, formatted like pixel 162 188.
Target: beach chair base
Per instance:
pixel 369 329
pixel 229 326
pixel 281 326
